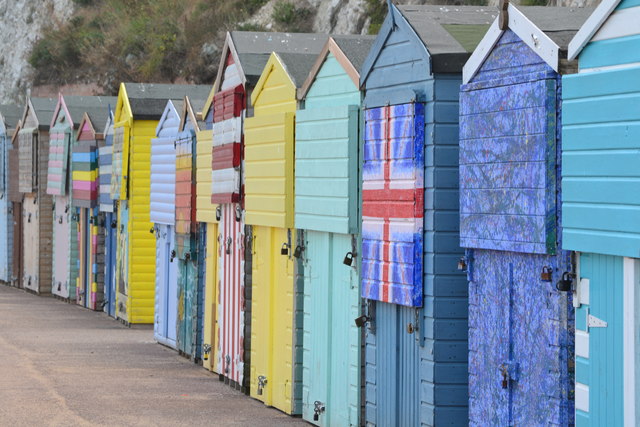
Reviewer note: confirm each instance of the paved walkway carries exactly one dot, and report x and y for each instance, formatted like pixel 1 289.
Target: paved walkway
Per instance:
pixel 62 365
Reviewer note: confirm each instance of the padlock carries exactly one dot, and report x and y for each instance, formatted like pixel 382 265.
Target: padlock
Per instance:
pixel 348 259
pixel 505 376
pixel 462 264
pixel 284 250
pixel 564 284
pixel 410 328
pixel 546 274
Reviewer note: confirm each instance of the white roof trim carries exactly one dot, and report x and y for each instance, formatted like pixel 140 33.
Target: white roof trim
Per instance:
pixel 170 107
pixel 591 26
pixel 531 35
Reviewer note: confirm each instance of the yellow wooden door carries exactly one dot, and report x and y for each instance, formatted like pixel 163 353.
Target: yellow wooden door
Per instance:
pixel 273 323
pixel 211 299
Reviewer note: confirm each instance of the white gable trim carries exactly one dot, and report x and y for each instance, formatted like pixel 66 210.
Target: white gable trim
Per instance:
pixel 168 109
pixel 531 35
pixel 591 26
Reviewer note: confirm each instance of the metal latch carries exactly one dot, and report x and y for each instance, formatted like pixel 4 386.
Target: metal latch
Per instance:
pixel 594 322
pixel 510 371
pixel 318 408
pixel 262 382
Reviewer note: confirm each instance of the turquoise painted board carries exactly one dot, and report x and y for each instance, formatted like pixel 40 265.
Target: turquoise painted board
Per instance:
pixel 600 157
pixel 599 366
pixel 331 344
pixel 327 169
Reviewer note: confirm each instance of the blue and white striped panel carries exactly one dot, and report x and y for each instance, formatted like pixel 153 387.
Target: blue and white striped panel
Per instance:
pixel 104 163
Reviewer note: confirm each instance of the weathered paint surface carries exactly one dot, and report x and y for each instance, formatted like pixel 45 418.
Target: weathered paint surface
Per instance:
pixel 36 209
pixel 165 325
pixel 189 331
pixel 276 321
pixel 393 204
pixel 331 343
pixel 599 351
pixel 518 323
pixel 600 177
pixel 416 370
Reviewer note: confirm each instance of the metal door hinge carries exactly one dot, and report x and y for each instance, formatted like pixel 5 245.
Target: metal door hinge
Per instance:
pixel 594 322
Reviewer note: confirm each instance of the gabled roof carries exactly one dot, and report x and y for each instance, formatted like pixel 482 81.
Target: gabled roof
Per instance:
pixel 448 33
pixel 251 51
pixel 591 27
pixel 87 119
pixel 350 51
pixel 10 115
pixel 77 106
pixel 42 108
pixel 190 107
pixel 296 65
pixel 546 30
pixel 170 106
pixel 148 100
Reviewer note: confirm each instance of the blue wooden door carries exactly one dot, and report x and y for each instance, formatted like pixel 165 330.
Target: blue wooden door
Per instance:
pixel 519 340
pixel 110 264
pixel 166 286
pixel 599 346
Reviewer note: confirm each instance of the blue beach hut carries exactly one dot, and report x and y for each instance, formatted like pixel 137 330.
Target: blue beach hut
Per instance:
pixel 416 300
pixel 521 318
pixel 601 210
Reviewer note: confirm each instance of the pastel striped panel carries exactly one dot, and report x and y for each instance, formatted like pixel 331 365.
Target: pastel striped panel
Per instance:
pixel 104 180
pixel 393 204
pixel 58 161
pixel 231 303
pixel 185 188
pixel 227 145
pixel 85 181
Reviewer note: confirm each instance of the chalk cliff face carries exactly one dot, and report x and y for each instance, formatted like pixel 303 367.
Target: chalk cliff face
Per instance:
pixel 21 23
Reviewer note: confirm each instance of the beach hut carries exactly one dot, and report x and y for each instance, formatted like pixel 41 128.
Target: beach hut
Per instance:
pixel 108 216
pixel 138 109
pixel 189 249
pixel 415 299
pixel 277 299
pixel 9 117
pixel 521 318
pixel 32 141
pixel 66 119
pixel 228 307
pixel 162 215
pixel 326 217
pixel 85 188
pixel 600 205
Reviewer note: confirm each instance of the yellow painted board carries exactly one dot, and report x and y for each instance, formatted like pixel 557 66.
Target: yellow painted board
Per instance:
pixel 84 175
pixel 211 296
pixel 272 320
pixel 275 92
pixel 205 210
pixel 269 160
